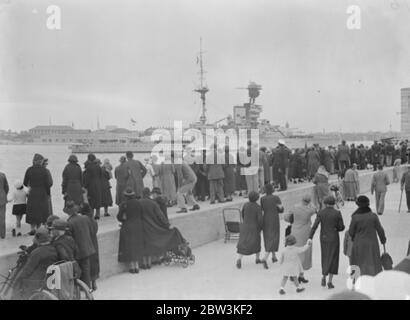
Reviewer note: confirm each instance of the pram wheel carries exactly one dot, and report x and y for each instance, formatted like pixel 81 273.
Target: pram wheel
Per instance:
pixel 192 259
pixel 167 260
pixel 185 263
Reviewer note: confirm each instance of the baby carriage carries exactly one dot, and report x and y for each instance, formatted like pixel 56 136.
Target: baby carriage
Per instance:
pixel 336 190
pixel 181 255
pixel 232 221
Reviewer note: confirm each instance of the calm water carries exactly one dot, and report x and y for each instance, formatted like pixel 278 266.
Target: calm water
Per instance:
pixel 15 159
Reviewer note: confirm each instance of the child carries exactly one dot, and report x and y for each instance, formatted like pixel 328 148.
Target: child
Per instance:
pixel 19 198
pixel 291 263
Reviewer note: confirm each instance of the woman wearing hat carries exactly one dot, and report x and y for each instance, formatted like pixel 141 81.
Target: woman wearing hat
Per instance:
pixel 331 223
pixel 92 183
pixel 37 180
pixel 321 189
pixel 364 228
pixel 131 246
pixel 300 217
pixel 271 206
pixel 250 231
pixel 72 186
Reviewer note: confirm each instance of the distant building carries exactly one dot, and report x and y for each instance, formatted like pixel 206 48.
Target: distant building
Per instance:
pixel 405 112
pixel 68 135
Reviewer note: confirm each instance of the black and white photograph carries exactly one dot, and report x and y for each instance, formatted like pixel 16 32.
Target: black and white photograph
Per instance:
pixel 204 150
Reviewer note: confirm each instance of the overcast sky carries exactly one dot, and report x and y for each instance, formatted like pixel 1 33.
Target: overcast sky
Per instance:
pixel 136 59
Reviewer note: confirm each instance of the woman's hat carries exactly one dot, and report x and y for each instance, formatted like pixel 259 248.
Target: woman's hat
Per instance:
pixel 42 235
pixel 156 190
pixel 129 192
pixel 18 184
pixel 38 158
pixel 51 219
pixel 330 200
pixel 70 207
pixel 60 224
pixel 362 201
pixel 290 240
pixel 72 158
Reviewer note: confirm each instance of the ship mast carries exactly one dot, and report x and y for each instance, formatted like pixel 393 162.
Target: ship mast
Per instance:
pixel 202 89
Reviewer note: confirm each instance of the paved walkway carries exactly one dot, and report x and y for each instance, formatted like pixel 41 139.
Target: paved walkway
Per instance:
pixel 215 276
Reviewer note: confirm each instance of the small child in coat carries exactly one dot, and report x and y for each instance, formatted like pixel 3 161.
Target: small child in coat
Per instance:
pixel 19 198
pixel 291 263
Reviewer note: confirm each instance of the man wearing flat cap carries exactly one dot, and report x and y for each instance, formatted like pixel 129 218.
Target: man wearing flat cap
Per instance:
pixel 62 241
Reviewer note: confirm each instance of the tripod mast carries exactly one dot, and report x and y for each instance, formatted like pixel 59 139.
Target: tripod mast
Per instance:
pixel 203 89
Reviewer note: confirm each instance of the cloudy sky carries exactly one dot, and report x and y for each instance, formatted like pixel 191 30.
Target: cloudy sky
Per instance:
pixel 118 59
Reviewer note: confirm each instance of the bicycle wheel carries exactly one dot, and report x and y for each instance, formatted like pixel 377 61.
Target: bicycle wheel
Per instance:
pixel 82 291
pixel 43 295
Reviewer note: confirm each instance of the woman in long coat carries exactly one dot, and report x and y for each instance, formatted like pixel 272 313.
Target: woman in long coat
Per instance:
pixel 250 231
pixel 73 181
pixel 364 228
pixel 331 223
pixel 106 176
pixel 37 180
pixel 131 246
pixel 158 236
pixel 229 175
pixel 313 162
pixel 121 175
pixel 92 183
pixel 271 206
pixel 351 187
pixel 167 182
pixel 300 216
pixel 321 189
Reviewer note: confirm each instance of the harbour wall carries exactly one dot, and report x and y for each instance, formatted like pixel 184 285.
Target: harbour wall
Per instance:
pixel 198 227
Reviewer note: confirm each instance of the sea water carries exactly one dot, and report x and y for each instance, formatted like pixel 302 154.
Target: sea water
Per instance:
pixel 15 159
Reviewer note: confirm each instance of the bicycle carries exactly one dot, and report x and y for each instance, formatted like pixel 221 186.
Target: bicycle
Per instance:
pixel 80 292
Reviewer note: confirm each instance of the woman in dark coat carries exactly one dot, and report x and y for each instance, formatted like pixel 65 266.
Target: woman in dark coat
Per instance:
pixel 92 183
pixel 73 181
pixel 94 258
pixel 106 176
pixel 331 223
pixel 121 175
pixel 158 236
pixel 36 178
pixel 364 228
pixel 250 231
pixel 229 175
pixel 271 206
pixel 131 246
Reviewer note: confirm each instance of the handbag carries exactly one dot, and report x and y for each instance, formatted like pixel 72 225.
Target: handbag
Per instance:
pixel 386 260
pixel 288 229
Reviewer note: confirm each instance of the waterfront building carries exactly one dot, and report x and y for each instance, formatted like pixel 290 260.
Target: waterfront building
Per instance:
pixel 405 112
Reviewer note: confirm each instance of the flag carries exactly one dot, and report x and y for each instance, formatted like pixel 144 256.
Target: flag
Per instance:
pixel 197 60
pixel 133 122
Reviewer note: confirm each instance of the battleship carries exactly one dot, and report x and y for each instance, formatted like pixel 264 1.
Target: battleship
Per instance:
pixel 245 116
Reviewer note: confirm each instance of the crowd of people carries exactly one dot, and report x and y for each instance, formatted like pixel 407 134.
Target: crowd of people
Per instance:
pixel 146 234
